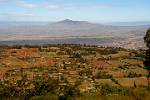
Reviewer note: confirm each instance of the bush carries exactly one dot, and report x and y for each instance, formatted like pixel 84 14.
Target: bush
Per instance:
pixel 103 76
pixel 108 51
pixel 43 87
pixel 132 75
pixel 75 55
pixel 109 89
pixel 70 93
pixel 48 96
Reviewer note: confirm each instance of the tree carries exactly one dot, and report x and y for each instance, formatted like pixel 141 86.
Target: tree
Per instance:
pixel 147 38
pixel 70 93
pixel 147 56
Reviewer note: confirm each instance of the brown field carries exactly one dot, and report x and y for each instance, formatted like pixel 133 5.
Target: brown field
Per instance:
pixel 89 68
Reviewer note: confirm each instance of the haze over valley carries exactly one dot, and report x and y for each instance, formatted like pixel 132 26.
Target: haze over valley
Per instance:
pixel 75 32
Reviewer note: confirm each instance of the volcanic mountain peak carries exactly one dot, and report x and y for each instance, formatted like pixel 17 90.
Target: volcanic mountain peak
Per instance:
pixel 68 21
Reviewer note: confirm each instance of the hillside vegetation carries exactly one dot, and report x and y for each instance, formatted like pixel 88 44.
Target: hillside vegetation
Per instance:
pixel 72 72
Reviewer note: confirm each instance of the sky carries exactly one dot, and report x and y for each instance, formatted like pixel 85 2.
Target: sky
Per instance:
pixel 87 10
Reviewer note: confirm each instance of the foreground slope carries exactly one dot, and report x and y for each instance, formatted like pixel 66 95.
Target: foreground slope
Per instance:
pixel 83 69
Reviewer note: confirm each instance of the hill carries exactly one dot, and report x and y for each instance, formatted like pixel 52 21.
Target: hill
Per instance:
pixel 72 71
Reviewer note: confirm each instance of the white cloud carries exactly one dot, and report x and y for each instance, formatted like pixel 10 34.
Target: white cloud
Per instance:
pixel 19 3
pixel 13 16
pixel 3 1
pixel 24 4
pixel 61 7
pixel 17 15
pixel 52 7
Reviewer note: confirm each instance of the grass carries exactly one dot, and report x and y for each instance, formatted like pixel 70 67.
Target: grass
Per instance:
pixel 131 82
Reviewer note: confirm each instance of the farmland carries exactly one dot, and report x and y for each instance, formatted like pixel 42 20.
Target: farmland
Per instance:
pixel 82 72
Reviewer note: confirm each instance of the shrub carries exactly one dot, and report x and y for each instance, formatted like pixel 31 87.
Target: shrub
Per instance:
pixel 70 93
pixel 48 96
pixel 109 89
pixel 108 51
pixel 103 76
pixel 132 75
pixel 75 55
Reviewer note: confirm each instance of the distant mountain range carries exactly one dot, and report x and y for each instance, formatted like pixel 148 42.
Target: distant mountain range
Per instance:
pixel 68 21
pixel 137 23
pixel 77 31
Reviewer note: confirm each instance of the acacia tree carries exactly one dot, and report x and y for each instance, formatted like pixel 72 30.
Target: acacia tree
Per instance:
pixel 147 58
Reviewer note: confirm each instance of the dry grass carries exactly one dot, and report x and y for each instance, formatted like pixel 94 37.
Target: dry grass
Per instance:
pixel 131 82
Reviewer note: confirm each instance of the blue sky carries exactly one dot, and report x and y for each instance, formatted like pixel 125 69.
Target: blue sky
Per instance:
pixel 89 10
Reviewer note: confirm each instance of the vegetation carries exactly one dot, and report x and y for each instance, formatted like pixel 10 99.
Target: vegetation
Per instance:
pixel 71 72
pixel 147 58
pixel 103 76
pixel 108 51
pixel 132 75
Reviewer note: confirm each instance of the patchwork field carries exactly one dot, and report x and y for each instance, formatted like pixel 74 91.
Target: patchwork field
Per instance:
pixel 88 68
